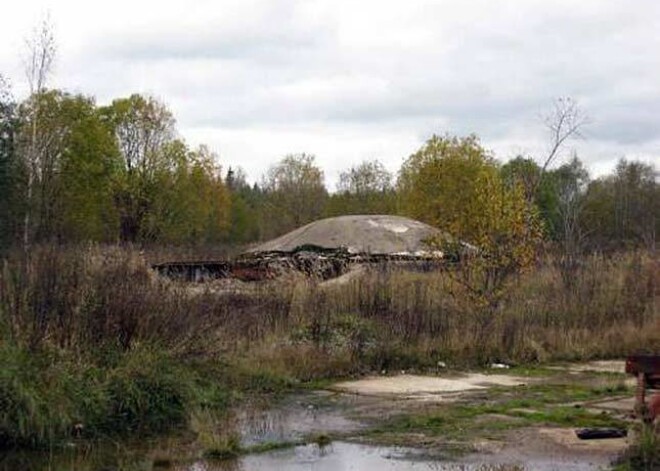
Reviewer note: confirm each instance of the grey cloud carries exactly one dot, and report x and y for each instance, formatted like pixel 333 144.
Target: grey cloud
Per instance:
pixel 489 72
pixel 210 45
pixel 629 126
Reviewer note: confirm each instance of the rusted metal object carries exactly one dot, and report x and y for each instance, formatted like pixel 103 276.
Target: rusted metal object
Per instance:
pixel 646 368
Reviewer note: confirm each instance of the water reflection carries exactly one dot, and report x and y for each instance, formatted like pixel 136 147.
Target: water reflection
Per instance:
pixel 338 456
pixel 290 420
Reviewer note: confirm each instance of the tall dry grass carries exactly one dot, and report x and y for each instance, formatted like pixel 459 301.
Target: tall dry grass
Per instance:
pixel 93 343
pixel 92 336
pixel 397 319
pixel 82 299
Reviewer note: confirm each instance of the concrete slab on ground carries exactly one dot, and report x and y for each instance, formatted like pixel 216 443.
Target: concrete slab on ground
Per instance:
pixel 599 366
pixel 415 386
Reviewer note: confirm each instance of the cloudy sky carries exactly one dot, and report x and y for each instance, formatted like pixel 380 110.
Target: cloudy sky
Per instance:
pixel 355 80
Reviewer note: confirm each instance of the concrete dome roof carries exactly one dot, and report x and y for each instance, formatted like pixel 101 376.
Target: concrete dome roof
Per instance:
pixel 373 234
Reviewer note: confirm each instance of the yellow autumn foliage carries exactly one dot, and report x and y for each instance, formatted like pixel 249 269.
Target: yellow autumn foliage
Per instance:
pixel 454 184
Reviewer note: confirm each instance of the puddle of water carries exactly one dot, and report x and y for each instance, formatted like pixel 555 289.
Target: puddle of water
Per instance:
pixel 295 418
pixel 342 456
pixel 338 456
pixel 291 419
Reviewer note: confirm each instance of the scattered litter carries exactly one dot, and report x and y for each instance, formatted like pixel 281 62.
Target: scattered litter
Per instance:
pixel 499 366
pixel 600 433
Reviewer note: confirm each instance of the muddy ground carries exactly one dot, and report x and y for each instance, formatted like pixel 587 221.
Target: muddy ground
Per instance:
pixel 511 419
pixel 498 419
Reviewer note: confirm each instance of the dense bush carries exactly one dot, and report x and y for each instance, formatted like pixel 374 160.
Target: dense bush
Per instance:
pixel 47 396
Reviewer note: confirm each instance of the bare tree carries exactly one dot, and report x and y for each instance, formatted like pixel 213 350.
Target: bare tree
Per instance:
pixel 564 122
pixel 39 58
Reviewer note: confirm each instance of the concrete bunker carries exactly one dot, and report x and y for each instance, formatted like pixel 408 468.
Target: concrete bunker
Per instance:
pixel 328 248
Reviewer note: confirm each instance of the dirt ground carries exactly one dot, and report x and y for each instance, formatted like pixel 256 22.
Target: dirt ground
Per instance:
pixel 526 416
pixel 550 448
pixel 600 366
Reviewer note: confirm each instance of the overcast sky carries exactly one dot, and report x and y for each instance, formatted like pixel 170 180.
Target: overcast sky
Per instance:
pixel 355 80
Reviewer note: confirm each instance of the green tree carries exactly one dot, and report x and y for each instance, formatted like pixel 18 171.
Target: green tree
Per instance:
pixel 455 185
pixel 296 193
pixel 208 201
pixel 10 168
pixel 363 189
pixel 246 201
pixel 568 185
pixel 623 209
pixel 451 183
pixel 559 197
pixel 90 162
pixel 143 128
pixel 189 201
pixel 526 172
pixel 69 187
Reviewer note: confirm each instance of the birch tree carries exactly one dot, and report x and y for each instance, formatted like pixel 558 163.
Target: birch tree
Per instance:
pixel 296 192
pixel 39 58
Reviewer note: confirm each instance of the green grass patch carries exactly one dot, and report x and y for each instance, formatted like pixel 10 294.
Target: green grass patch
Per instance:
pixel 233 449
pixel 48 397
pixel 507 409
pixel 556 393
pixel 270 446
pixel 228 447
pixel 643 454
pixel 529 371
pixel 322 439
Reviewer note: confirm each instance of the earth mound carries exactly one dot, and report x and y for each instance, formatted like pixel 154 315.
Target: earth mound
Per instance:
pixel 358 234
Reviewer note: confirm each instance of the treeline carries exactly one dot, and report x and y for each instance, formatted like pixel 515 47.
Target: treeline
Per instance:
pixel 71 171
pixel 456 184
